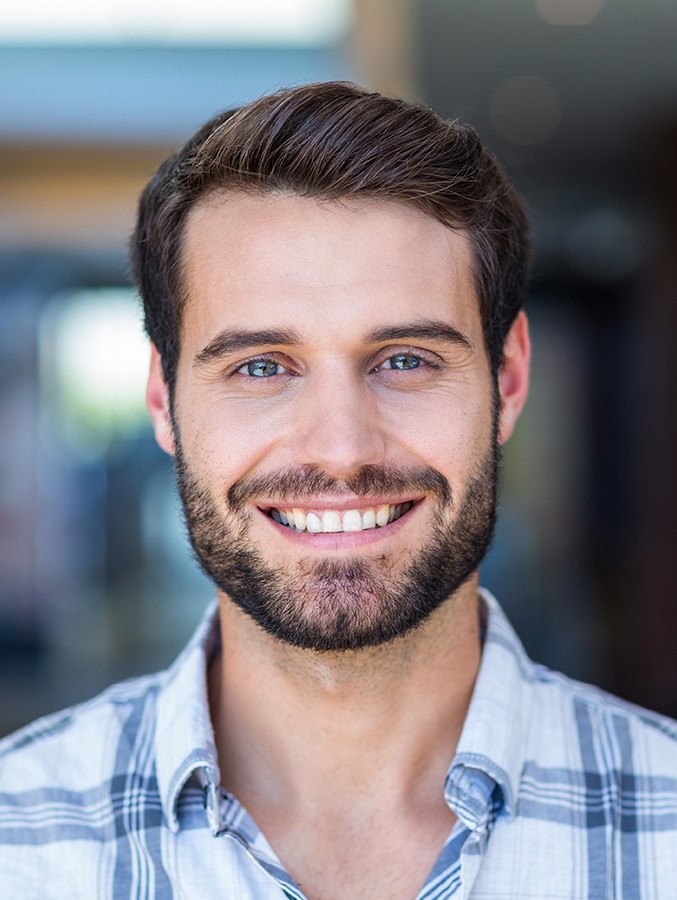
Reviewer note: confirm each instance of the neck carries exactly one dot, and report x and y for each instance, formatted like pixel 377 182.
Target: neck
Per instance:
pixel 387 719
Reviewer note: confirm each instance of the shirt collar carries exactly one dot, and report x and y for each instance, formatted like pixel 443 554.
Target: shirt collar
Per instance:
pixel 184 738
pixel 491 748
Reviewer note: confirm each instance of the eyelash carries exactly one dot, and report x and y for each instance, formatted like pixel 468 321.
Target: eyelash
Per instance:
pixel 262 359
pixel 427 361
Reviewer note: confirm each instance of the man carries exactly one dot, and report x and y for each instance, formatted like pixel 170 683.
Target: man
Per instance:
pixel 332 283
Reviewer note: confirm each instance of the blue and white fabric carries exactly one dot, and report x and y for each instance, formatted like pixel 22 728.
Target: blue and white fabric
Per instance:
pixel 560 791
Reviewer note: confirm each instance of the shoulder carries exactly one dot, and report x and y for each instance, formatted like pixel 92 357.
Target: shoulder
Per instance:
pixel 59 793
pixel 632 735
pixel 595 797
pixel 563 724
pixel 76 748
pixel 599 765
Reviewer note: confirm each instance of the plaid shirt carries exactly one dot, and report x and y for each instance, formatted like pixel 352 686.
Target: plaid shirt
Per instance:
pixel 560 790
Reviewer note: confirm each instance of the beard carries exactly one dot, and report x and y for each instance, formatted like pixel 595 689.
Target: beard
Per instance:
pixel 341 604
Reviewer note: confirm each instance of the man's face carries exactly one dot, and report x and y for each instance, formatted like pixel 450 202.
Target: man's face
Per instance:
pixel 334 424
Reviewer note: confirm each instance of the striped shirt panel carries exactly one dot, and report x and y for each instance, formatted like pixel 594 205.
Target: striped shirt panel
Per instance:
pixel 560 791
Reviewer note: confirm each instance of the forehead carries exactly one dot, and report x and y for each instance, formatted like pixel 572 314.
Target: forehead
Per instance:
pixel 253 261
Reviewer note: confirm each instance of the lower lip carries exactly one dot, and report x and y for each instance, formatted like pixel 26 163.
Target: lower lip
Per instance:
pixel 343 540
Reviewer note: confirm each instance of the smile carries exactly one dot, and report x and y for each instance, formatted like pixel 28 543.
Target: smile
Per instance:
pixel 333 520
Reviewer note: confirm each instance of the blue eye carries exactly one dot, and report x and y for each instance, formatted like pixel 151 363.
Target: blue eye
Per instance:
pixel 262 368
pixel 403 362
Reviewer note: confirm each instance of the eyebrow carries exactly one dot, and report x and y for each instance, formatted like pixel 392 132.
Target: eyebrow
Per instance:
pixel 428 329
pixel 233 341
pixel 229 341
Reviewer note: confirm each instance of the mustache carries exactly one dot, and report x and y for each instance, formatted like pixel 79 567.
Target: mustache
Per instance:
pixel 298 483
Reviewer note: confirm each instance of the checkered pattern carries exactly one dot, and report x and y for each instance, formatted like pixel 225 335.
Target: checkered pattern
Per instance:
pixel 560 790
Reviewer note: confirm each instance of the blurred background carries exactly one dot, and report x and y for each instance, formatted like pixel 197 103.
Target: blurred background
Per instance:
pixel 579 100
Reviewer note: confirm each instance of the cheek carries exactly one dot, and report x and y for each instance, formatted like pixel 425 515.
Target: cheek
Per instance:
pixel 448 431
pixel 225 442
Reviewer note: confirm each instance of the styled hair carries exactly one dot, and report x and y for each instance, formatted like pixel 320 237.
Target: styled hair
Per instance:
pixel 334 141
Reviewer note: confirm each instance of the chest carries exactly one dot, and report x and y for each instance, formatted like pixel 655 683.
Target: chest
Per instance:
pixel 371 860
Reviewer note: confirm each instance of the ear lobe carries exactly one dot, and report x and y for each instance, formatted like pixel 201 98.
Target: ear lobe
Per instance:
pixel 157 401
pixel 513 377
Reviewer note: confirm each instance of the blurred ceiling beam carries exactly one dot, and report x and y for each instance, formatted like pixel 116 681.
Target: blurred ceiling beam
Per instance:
pixel 63 197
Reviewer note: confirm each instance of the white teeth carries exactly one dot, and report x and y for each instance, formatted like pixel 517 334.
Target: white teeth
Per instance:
pixel 368 519
pixel 352 520
pixel 313 523
pixel 299 519
pixel 332 521
pixel 382 515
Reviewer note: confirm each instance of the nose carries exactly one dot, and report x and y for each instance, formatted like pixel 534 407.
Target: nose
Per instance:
pixel 337 427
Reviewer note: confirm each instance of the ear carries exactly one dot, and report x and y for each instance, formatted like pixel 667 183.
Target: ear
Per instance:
pixel 157 401
pixel 513 376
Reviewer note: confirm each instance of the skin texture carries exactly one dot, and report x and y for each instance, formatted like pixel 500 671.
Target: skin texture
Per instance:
pixel 330 279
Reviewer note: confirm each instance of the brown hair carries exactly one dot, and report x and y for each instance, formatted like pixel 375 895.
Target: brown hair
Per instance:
pixel 334 141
